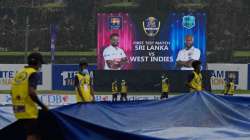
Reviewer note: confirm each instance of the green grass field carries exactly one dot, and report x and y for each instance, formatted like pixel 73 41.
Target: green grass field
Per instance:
pixel 130 93
pixel 241 54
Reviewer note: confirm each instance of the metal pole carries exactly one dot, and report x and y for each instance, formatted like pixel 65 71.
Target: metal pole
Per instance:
pixel 52 42
pixel 26 39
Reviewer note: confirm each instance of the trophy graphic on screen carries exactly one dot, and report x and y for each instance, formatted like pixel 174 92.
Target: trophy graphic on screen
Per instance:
pixel 151 26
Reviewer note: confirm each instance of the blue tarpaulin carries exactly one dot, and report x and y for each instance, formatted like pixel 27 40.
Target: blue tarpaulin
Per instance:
pixel 199 116
pixel 6 116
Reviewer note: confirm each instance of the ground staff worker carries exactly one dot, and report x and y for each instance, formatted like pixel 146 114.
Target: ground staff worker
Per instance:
pixel 229 87
pixel 83 84
pixel 164 86
pixel 115 90
pixel 24 96
pixel 124 91
pixel 195 79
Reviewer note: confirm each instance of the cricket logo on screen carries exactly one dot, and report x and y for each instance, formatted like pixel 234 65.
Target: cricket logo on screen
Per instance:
pixel 151 26
pixel 115 22
pixel 188 22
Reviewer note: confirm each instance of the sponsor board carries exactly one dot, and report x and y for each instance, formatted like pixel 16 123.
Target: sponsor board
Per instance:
pixel 48 99
pixel 58 100
pixel 248 81
pixel 222 72
pixel 130 98
pixel 64 75
pixel 8 72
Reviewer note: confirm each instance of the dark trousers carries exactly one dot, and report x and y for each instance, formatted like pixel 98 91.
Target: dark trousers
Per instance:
pixel 124 96
pixel 30 127
pixel 164 95
pixel 114 97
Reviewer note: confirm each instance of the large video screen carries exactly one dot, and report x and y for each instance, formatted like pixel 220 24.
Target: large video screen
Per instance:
pixel 127 41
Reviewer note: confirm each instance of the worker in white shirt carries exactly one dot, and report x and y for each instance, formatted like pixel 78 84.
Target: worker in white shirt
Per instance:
pixel 114 57
pixel 188 54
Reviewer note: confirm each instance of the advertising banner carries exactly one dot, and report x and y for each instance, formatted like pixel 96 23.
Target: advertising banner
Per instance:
pixel 8 72
pixel 248 81
pixel 54 99
pixel 222 72
pixel 64 75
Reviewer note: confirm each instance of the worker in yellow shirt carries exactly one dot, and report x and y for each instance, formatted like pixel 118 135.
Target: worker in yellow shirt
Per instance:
pixel 124 91
pixel 115 90
pixel 164 86
pixel 83 84
pixel 195 79
pixel 24 96
pixel 229 87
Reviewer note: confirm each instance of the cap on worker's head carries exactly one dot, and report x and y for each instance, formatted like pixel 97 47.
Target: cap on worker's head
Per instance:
pixel 83 61
pixel 35 59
